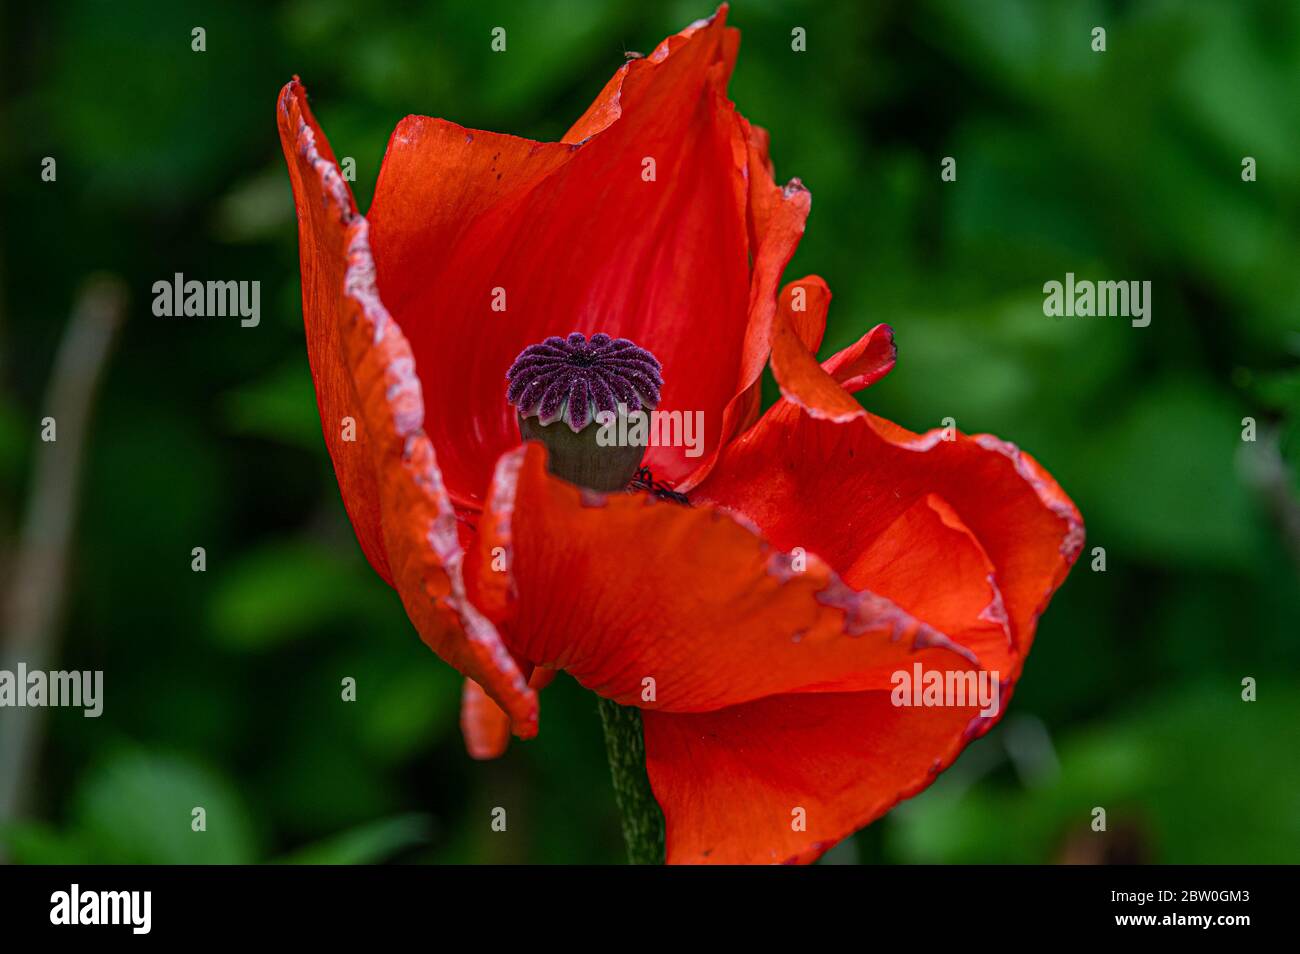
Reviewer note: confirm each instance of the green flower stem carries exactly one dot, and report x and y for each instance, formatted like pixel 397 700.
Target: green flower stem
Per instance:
pixel 643 821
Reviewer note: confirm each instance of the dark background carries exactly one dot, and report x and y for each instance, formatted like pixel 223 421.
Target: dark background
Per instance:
pixel 222 687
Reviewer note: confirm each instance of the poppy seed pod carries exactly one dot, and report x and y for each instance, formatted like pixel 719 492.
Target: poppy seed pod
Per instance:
pixel 564 387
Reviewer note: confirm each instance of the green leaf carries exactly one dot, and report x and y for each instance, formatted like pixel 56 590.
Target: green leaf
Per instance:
pixel 279 407
pixel 282 591
pixel 1162 481
pixel 137 808
pixel 366 844
pixel 35 843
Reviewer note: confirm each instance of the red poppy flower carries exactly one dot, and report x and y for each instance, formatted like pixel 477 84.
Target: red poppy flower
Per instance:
pixel 759 629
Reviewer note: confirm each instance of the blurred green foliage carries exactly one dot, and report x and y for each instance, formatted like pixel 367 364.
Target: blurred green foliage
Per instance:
pixel 1122 165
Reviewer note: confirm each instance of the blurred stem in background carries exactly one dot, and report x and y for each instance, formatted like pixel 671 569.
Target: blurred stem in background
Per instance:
pixel 1267 471
pixel 35 593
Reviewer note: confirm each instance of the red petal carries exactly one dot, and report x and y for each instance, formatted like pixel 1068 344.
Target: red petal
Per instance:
pixel 363 369
pixel 970 536
pixel 760 141
pixel 325 209
pixel 623 85
pixel 729 782
pixel 806 320
pixel 776 224
pixel 864 362
pixel 483 723
pixel 821 389
pixel 578 240
pixel 437 180
pixel 835 488
pixel 929 563
pixel 623 588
